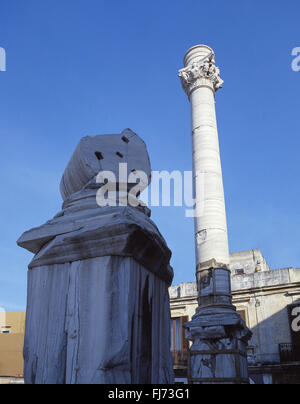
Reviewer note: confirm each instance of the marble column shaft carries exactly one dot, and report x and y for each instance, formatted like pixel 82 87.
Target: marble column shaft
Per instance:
pixel 218 353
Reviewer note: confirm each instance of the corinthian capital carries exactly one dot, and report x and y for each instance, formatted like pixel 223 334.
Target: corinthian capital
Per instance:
pixel 201 73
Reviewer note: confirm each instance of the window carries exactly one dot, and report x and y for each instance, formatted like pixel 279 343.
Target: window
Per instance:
pixel 179 344
pixel 240 271
pixel 243 314
pixel 5 330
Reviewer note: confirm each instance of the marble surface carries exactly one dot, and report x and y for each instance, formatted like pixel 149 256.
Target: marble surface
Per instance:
pixel 199 81
pixel 104 153
pixel 219 336
pixel 97 321
pixel 98 305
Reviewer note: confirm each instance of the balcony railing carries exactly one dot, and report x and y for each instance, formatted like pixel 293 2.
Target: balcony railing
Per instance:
pixel 289 353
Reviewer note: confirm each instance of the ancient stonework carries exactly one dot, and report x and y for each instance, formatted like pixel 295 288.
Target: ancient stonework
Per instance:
pixel 219 335
pixel 98 305
pixel 198 72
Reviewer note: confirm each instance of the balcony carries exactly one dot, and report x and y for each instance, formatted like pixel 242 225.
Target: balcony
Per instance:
pixel 289 353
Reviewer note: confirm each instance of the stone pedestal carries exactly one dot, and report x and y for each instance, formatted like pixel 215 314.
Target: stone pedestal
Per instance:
pixel 218 353
pixel 98 305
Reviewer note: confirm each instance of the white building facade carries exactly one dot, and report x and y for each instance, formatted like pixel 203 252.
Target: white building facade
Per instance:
pixel 268 301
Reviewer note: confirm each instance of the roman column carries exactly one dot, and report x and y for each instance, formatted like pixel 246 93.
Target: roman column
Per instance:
pixel 219 336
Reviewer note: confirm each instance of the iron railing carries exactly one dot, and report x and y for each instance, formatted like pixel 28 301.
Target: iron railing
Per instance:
pixel 289 353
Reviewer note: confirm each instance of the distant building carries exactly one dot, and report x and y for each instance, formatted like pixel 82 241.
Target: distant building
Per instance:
pixel 12 328
pixel 268 301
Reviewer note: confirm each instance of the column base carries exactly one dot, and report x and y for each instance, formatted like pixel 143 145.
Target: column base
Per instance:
pixel 219 351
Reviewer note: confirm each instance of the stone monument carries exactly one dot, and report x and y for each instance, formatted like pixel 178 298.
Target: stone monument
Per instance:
pixel 98 305
pixel 218 354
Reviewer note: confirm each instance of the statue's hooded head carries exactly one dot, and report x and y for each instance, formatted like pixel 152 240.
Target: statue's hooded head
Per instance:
pixel 95 154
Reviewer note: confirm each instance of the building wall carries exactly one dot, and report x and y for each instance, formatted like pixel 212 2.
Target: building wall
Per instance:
pixel 12 328
pixel 265 297
pixel 262 296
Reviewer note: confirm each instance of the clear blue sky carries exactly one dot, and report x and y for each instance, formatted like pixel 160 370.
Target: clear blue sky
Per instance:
pixel 85 67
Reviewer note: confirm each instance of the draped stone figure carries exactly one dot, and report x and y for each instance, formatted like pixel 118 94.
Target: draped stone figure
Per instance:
pixel 98 305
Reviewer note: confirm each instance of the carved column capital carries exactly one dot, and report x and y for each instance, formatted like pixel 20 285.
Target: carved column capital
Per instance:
pixel 201 73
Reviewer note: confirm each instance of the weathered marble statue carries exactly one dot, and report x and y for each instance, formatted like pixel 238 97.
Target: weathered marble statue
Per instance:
pixel 218 353
pixel 98 304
